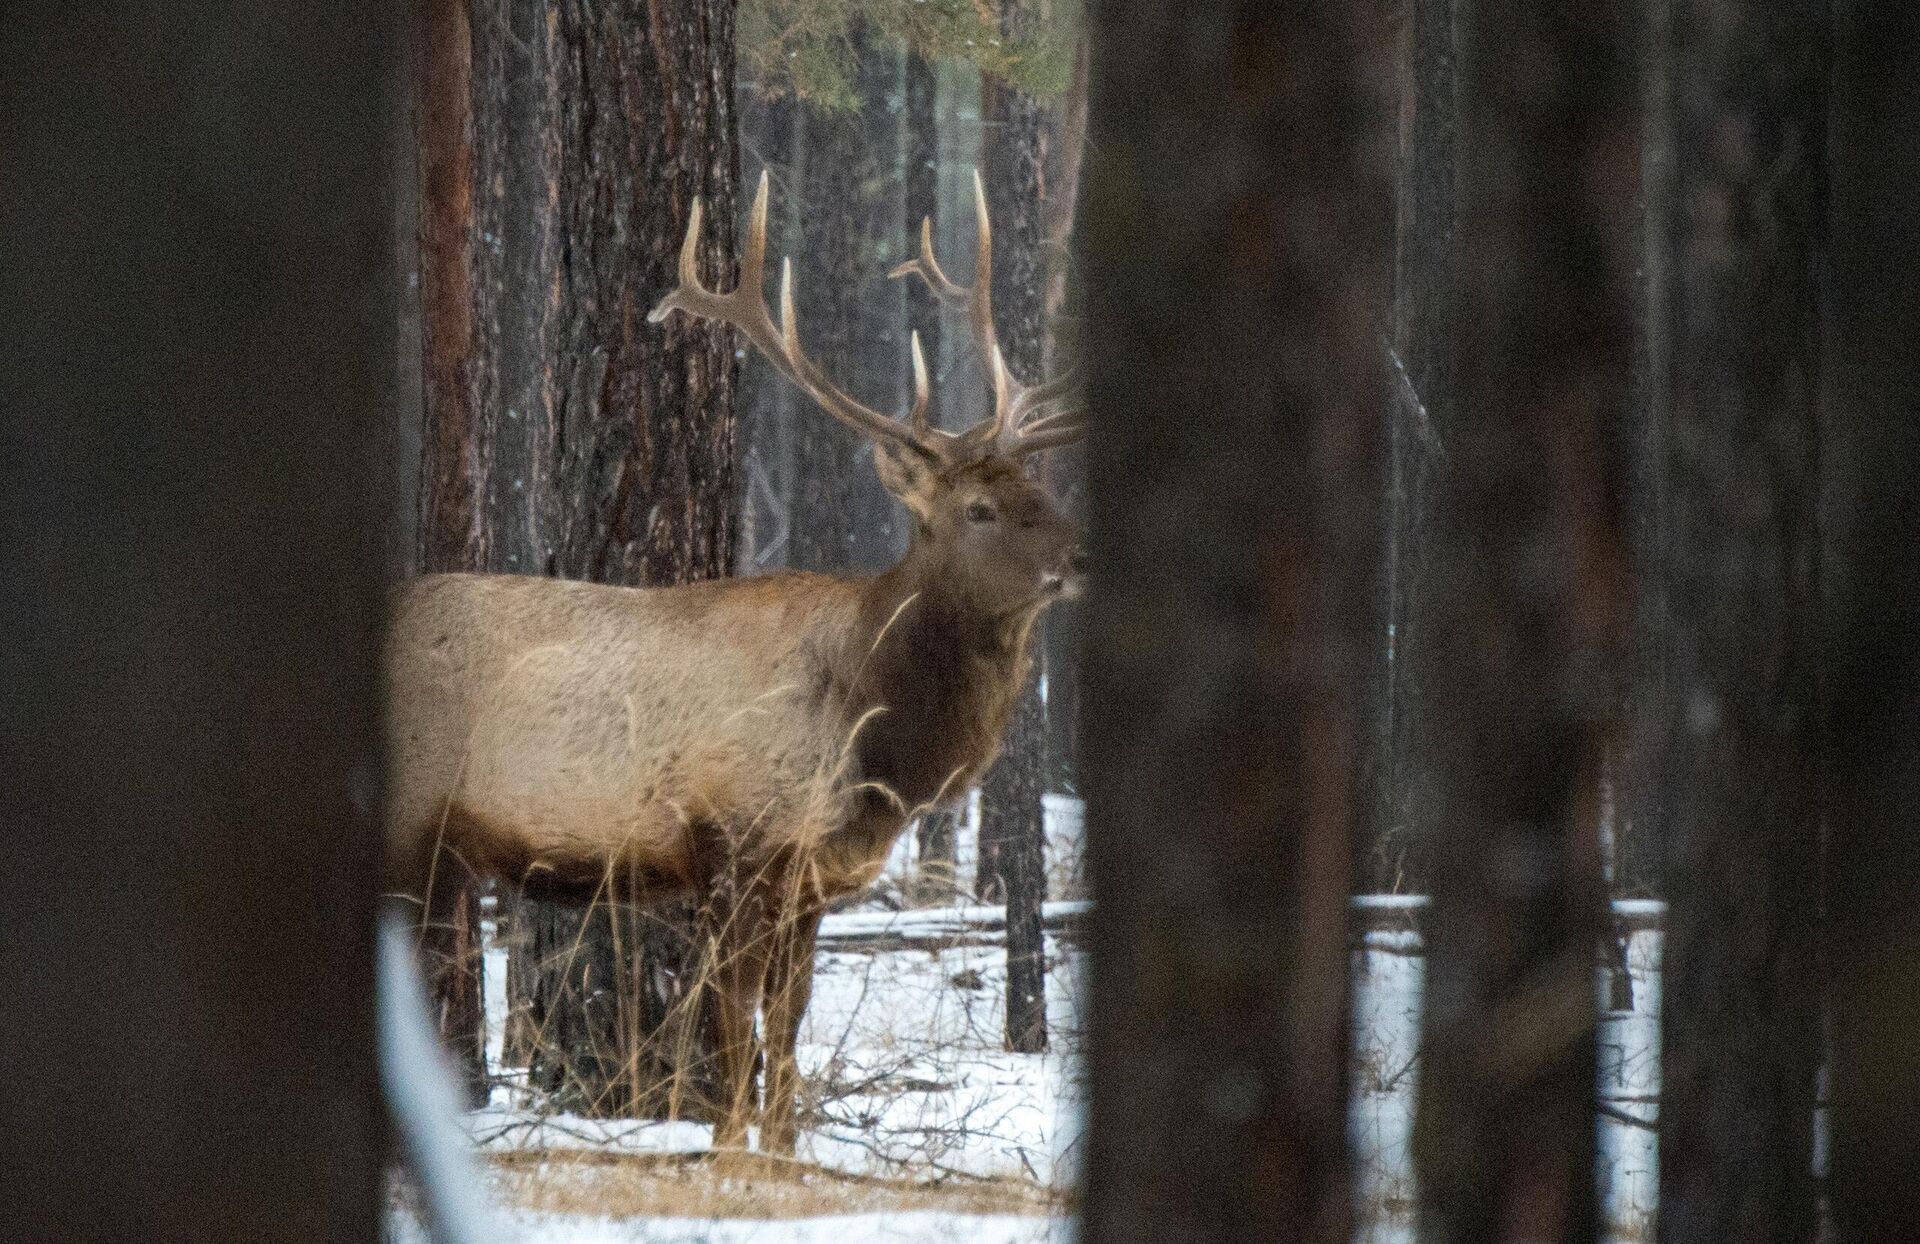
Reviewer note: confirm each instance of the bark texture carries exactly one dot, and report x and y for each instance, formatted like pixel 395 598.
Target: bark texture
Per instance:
pixel 610 120
pixel 1740 1009
pixel 1237 272
pixel 1522 622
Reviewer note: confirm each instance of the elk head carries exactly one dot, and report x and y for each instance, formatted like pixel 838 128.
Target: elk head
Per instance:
pixel 982 527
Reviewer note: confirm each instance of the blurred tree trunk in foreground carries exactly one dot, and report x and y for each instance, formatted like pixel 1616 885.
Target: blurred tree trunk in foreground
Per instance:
pixel 1012 850
pixel 1523 620
pixel 1871 523
pixel 1422 384
pixel 199 363
pixel 1237 274
pixel 1740 1006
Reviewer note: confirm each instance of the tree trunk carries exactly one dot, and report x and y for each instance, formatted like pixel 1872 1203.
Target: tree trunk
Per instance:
pixel 632 469
pixel 1237 277
pixel 1640 814
pixel 1741 1025
pixel 1422 382
pixel 1012 848
pixel 1872 527
pixel 850 320
pixel 455 461
pixel 1522 620
pixel 770 125
pixel 934 872
pixel 199 363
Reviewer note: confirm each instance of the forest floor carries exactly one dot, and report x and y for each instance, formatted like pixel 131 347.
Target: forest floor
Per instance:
pixel 924 1129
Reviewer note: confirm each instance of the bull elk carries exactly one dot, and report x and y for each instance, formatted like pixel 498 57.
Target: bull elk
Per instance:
pixel 758 743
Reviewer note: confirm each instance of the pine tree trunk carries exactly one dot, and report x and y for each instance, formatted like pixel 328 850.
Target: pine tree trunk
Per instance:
pixel 1012 850
pixel 934 872
pixel 456 458
pixel 1522 619
pixel 1871 524
pixel 1233 370
pixel 850 320
pixel 631 465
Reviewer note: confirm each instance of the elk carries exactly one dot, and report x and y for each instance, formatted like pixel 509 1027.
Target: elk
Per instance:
pixel 757 743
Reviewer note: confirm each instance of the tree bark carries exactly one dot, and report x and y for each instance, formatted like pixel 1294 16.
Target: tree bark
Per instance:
pixel 1238 273
pixel 1522 622
pixel 1871 523
pixel 1012 847
pixel 199 361
pixel 632 467
pixel 1740 1014
pixel 455 461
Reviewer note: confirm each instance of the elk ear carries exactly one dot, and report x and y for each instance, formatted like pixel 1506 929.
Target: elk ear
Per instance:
pixel 909 473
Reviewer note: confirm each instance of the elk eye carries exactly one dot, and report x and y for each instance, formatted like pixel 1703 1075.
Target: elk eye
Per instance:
pixel 979 512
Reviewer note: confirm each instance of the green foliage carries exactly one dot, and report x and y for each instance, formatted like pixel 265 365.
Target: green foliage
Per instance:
pixel 807 48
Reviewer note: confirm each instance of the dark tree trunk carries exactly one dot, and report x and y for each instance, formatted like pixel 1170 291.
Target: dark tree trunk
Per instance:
pixel 850 318
pixel 199 367
pixel 456 456
pixel 1012 848
pixel 934 874
pixel 1237 276
pixel 1422 383
pixel 1872 525
pixel 632 465
pixel 1521 618
pixel 1740 1013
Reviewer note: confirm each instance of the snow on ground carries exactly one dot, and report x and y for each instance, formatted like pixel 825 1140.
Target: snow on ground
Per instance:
pixel 912 1227
pixel 905 1048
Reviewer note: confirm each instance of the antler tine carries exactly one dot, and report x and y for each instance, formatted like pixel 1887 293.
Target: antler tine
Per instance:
pixel 926 266
pixel 746 309
pixel 922 389
pixel 1071 428
pixel 1041 396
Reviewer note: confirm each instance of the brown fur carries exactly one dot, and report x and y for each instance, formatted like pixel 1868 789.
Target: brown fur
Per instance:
pixel 766 737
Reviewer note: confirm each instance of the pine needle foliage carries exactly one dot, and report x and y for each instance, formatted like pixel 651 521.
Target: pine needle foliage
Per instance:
pixel 806 48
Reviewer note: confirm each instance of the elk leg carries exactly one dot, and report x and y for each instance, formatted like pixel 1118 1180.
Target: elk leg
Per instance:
pixel 789 990
pixel 736 973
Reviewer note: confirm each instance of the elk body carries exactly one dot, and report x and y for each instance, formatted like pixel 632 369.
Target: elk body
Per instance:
pixel 756 743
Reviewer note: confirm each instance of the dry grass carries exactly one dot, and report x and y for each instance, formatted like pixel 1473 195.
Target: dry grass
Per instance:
pixel 737 1185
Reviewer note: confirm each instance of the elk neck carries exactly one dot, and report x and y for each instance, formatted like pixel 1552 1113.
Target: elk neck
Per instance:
pixel 933 678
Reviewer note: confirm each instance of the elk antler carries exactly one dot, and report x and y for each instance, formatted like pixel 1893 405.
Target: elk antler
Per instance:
pixel 1017 427
pixel 746 309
